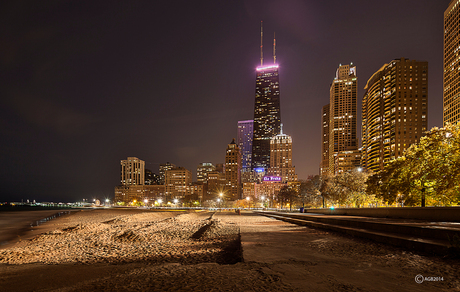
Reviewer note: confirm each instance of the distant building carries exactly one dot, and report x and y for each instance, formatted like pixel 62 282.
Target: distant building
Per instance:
pixel 202 171
pixel 232 172
pixel 163 168
pixel 281 158
pixel 132 171
pixel 177 183
pixel 151 178
pixel 342 115
pixel 394 111
pixel 267 115
pixel 220 167
pixel 347 161
pixel 451 77
pixel 268 190
pixel 249 190
pixel 244 141
pixel 216 185
pixel 324 167
pixel 146 194
pixel 197 192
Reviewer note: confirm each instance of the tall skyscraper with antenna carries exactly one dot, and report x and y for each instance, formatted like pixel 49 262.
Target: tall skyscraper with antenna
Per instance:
pixel 267 115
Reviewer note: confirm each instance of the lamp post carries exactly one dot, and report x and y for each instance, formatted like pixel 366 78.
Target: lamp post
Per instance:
pixel 247 199
pixel 176 201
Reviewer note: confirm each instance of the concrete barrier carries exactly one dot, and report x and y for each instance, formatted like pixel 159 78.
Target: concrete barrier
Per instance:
pixel 450 214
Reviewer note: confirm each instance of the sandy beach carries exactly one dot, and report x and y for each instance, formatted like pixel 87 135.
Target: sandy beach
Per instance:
pixel 141 250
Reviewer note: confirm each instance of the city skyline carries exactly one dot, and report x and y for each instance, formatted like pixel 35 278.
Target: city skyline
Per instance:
pixel 87 84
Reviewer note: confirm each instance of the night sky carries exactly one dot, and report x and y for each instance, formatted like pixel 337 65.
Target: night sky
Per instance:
pixel 85 84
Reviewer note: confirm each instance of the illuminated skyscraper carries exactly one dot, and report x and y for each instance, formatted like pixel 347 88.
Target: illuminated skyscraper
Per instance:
pixel 244 141
pixel 324 167
pixel 451 93
pixel 395 112
pixel 281 158
pixel 232 171
pixel 342 116
pixel 267 114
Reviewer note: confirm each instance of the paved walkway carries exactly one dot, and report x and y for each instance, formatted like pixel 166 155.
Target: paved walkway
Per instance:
pixel 316 260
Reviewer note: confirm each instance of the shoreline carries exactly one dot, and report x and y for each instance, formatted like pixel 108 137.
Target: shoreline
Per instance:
pixel 16 226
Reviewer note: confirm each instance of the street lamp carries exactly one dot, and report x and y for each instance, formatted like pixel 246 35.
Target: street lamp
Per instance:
pixel 146 201
pixel 247 199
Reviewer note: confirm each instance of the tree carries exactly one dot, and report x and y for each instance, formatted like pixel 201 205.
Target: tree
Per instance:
pixel 287 195
pixel 311 191
pixel 429 171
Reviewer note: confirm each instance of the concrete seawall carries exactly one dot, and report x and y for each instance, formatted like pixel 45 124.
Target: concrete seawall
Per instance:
pixel 451 214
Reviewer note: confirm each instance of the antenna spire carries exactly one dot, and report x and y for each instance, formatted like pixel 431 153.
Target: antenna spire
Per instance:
pixel 261 44
pixel 274 48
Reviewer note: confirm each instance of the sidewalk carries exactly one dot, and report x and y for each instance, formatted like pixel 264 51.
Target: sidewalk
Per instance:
pixel 316 260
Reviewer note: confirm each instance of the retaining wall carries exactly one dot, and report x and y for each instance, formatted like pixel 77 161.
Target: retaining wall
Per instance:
pixel 451 214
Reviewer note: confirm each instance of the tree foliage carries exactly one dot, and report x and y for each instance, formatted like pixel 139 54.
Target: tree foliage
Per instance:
pixel 348 188
pixel 430 168
pixel 287 195
pixel 311 191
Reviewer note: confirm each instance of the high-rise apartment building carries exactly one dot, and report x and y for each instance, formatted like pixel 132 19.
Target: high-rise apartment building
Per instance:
pixel 244 141
pixel 132 171
pixel 177 183
pixel 394 111
pixel 451 88
pixel 281 158
pixel 324 167
pixel 202 171
pixel 342 116
pixel 232 171
pixel 163 168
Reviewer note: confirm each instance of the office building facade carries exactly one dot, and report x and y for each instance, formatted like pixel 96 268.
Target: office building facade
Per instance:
pixel 267 115
pixel 281 158
pixel 177 183
pixel 342 115
pixel 202 171
pixel 244 141
pixel 163 168
pixel 232 172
